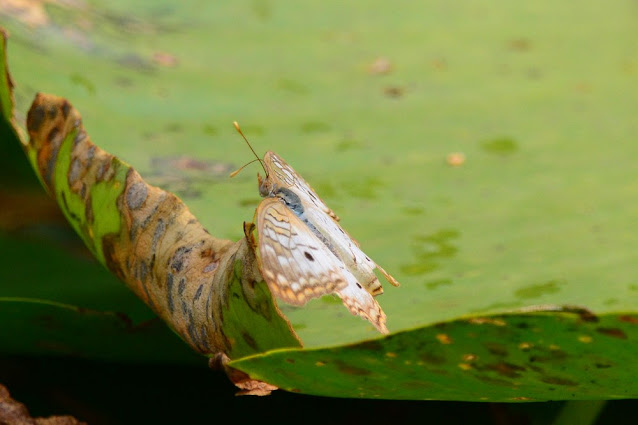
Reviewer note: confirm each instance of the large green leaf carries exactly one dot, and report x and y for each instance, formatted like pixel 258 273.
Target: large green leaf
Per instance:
pixel 500 358
pixel 543 110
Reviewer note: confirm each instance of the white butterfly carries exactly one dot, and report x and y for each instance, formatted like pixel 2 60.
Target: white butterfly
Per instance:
pixel 304 253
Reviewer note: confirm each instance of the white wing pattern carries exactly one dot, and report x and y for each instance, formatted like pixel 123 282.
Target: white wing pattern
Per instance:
pixel 305 253
pixel 297 266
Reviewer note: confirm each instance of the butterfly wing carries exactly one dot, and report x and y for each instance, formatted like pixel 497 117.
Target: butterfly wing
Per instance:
pixel 348 251
pixel 294 262
pixel 282 174
pixel 298 266
pixel 324 221
pixel 361 303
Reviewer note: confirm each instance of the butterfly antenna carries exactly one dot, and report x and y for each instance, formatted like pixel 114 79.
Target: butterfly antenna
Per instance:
pixel 234 173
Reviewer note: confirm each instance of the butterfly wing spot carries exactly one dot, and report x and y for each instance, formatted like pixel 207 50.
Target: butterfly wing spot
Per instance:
pixel 281 280
pixel 308 256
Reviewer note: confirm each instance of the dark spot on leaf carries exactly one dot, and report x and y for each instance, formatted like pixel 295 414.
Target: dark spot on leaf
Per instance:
pixel 174 127
pixel 88 211
pixel 432 358
pixel 52 112
pixel 436 283
pixel 136 195
pixel 629 319
pixel 66 107
pixel 394 92
pixel 558 381
pixel 495 381
pixel 198 293
pixel 169 293
pixel 65 205
pixel 539 289
pixel 249 340
pixel 505 369
pixel 602 365
pixel 496 349
pixel 291 361
pixel 177 261
pixel 74 171
pixel 587 315
pixel 160 228
pixel 536 368
pixel 209 268
pixel 352 370
pixel 520 44
pixel 501 146
pixel 52 134
pixel 35 118
pixel 613 332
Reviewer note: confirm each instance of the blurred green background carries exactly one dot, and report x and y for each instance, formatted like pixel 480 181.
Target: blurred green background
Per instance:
pixel 366 100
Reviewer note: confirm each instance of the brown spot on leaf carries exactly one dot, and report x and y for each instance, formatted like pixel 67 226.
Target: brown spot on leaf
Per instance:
pixel 558 381
pixel 52 134
pixel 249 340
pixel 613 332
pixel 352 370
pixel 66 107
pixel 506 369
pixel 496 349
pixel 35 118
pixel 629 319
pixel 394 92
pixel 136 195
pixel 432 358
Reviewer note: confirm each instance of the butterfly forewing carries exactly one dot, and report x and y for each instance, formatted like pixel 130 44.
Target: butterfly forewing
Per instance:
pixel 283 174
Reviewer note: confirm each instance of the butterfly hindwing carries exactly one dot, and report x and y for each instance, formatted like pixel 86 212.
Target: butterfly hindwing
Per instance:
pixel 295 263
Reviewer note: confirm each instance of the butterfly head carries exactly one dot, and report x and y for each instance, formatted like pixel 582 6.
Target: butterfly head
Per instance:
pixel 267 187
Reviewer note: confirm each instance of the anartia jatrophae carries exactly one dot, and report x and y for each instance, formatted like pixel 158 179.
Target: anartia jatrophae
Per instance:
pixel 304 252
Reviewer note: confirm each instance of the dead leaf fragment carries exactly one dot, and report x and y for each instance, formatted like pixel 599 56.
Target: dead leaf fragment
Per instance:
pixel 246 385
pixel 13 412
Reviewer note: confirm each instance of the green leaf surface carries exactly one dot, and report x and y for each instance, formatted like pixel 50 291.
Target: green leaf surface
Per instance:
pixel 32 327
pixel 540 212
pixel 509 358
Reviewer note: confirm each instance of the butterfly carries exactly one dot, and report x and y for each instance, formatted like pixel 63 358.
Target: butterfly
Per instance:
pixel 303 251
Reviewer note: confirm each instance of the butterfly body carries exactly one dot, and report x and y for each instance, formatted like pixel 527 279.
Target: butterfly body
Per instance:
pixel 305 253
